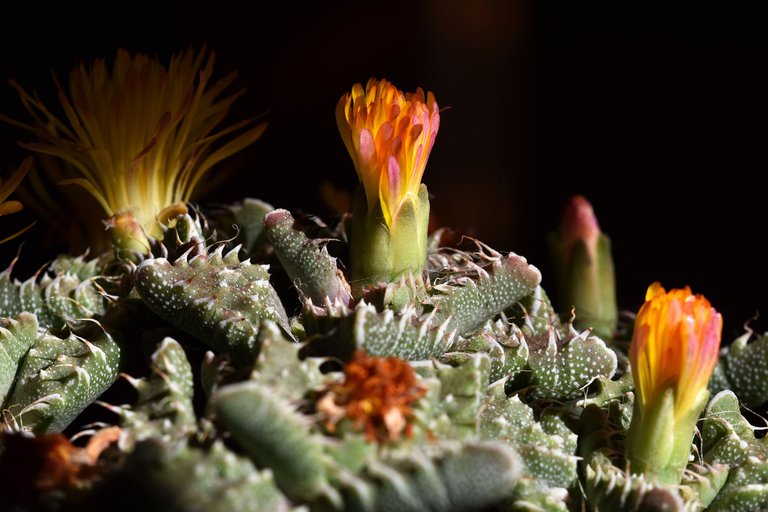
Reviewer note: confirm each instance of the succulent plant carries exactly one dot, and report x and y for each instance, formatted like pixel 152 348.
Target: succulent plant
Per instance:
pixel 744 369
pixel 68 290
pixel 213 296
pixel 390 373
pixel 57 377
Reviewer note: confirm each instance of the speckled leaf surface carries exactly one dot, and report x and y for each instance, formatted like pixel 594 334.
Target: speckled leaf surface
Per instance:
pixel 59 377
pixel 215 297
pixel 67 291
pixel 16 337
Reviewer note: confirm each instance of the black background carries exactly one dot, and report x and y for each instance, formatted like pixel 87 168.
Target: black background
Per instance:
pixel 659 116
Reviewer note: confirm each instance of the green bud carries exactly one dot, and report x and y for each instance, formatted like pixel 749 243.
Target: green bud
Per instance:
pixel 584 273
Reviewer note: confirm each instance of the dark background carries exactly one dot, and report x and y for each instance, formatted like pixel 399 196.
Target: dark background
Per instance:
pixel 659 116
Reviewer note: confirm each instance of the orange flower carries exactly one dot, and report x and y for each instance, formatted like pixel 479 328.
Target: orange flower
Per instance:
pixel 675 345
pixel 389 136
pixel 376 395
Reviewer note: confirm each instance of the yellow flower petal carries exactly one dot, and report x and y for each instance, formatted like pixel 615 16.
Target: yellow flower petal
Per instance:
pixel 675 345
pixel 9 207
pixel 6 189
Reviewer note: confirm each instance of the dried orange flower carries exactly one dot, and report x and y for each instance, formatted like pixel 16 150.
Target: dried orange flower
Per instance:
pixel 67 465
pixel 376 395
pixel 51 461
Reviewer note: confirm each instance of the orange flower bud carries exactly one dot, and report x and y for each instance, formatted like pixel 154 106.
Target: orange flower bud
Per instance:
pixel 675 343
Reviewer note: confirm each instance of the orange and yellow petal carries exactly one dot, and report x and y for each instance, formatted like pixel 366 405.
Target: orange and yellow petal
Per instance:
pixel 389 135
pixel 675 345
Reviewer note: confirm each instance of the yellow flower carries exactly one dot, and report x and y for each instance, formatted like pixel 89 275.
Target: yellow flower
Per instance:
pixel 6 189
pixel 141 136
pixel 675 344
pixel 389 136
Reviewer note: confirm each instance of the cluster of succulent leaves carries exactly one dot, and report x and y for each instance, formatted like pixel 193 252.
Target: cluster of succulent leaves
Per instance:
pixel 519 411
